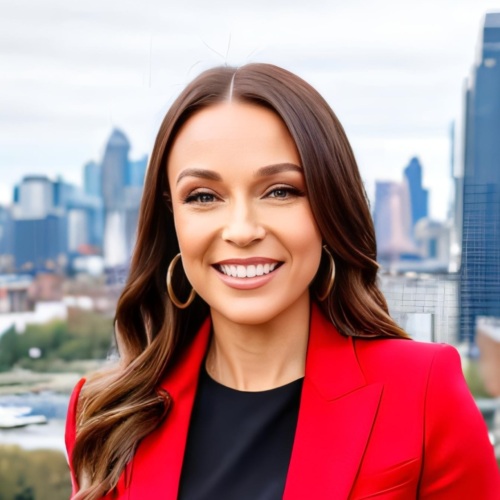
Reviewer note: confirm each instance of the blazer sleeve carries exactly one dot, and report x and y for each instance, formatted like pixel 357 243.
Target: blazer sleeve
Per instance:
pixel 459 460
pixel 70 432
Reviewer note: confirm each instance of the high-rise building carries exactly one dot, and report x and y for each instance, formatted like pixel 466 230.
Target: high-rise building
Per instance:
pixel 41 244
pixel 480 268
pixel 114 169
pixel 85 216
pixel 52 222
pixel 39 226
pixel 392 219
pixel 122 182
pixel 137 171
pixel 92 178
pixel 433 240
pixel 6 240
pixel 34 198
pixel 418 195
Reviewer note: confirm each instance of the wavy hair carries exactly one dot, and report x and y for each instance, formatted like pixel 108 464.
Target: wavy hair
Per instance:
pixel 120 407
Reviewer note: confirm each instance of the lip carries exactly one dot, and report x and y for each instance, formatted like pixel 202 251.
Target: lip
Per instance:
pixel 246 283
pixel 246 262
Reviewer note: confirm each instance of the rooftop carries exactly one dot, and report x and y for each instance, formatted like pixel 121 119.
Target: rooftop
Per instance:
pixel 492 20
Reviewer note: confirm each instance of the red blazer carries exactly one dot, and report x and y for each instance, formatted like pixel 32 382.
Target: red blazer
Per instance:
pixel 386 419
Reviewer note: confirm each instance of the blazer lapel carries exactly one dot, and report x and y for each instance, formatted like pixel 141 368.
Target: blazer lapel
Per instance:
pixel 157 464
pixel 336 415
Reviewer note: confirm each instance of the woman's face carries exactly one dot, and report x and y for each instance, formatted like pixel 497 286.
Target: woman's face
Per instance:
pixel 250 245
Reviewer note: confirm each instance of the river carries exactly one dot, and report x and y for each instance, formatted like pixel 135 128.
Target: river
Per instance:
pixel 51 435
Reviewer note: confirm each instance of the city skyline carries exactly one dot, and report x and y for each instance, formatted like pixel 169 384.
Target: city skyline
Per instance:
pixel 100 218
pixel 393 73
pixel 59 226
pixel 100 221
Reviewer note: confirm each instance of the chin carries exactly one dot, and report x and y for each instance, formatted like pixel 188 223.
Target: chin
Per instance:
pixel 255 312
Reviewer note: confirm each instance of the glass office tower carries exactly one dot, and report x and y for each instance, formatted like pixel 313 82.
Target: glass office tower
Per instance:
pixel 480 270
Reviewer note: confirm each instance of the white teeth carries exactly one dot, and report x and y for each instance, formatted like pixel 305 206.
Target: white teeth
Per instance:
pixel 251 271
pixel 247 271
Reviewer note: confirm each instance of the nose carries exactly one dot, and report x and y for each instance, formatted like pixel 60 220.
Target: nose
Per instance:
pixel 243 225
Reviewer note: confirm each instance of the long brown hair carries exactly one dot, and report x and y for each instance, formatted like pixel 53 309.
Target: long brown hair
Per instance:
pixel 119 408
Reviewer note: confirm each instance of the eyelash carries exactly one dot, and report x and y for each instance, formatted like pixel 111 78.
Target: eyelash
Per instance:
pixel 194 197
pixel 290 191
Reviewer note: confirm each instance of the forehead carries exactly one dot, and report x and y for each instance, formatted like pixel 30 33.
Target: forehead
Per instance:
pixel 231 118
pixel 229 132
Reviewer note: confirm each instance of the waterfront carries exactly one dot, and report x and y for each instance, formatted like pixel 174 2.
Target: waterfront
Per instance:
pixel 53 406
pixel 33 437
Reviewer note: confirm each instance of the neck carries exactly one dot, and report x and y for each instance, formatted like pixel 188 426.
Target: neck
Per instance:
pixel 260 357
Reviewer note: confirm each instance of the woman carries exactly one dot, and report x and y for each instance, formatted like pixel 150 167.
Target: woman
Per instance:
pixel 258 358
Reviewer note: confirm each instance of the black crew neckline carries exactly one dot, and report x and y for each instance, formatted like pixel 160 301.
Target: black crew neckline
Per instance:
pixel 210 380
pixel 239 443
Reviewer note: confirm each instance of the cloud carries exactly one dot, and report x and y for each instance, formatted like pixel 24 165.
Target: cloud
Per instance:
pixel 392 70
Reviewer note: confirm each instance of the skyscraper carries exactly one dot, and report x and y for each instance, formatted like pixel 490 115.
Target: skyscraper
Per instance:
pixel 6 240
pixel 121 192
pixel 137 171
pixel 35 198
pixel 418 195
pixel 480 270
pixel 114 169
pixel 392 219
pixel 92 178
pixel 39 225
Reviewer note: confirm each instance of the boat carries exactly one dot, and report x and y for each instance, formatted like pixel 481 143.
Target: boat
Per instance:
pixel 12 417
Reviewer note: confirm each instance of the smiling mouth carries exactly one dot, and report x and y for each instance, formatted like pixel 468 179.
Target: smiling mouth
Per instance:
pixel 238 271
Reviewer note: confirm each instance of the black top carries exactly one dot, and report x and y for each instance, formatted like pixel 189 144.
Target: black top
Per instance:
pixel 239 443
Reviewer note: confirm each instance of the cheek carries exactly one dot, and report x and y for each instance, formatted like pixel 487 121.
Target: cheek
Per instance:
pixel 304 239
pixel 194 235
pixel 303 223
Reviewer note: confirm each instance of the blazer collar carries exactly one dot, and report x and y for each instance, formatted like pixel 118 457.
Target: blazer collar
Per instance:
pixel 336 415
pixel 157 464
pixel 331 363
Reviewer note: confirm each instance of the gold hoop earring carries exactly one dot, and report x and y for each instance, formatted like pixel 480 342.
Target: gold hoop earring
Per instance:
pixel 170 290
pixel 331 280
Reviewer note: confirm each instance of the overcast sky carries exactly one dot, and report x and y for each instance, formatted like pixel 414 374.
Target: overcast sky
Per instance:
pixel 392 70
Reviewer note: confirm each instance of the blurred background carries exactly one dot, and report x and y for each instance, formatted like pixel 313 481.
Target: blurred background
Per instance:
pixel 83 89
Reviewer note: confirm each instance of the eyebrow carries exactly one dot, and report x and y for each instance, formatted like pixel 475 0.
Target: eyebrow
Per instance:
pixel 268 170
pixel 277 169
pixel 201 173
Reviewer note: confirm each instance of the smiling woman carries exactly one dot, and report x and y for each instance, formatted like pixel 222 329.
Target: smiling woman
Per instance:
pixel 236 185
pixel 258 357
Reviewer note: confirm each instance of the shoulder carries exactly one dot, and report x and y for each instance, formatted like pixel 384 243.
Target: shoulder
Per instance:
pixel 70 431
pixel 406 359
pixel 400 345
